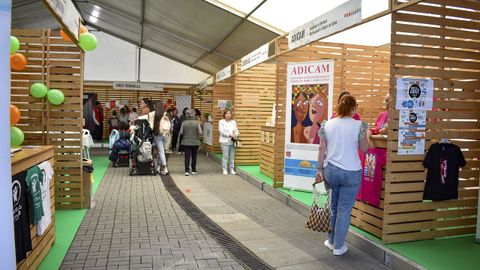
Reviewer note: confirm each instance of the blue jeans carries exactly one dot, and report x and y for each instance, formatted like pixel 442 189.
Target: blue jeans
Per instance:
pixel 344 185
pixel 161 140
pixel 228 152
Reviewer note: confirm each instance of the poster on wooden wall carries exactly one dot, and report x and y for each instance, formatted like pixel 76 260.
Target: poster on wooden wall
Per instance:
pixel 309 103
pixel 414 94
pixel 411 132
pixel 207 133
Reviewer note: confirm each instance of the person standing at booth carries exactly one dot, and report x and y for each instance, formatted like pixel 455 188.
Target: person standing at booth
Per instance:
pixel 161 131
pixel 98 117
pixel 175 129
pixel 190 132
pixel 340 167
pixel 228 135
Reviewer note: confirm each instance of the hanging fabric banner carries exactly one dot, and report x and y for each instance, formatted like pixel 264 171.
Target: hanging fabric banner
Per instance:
pixel 309 103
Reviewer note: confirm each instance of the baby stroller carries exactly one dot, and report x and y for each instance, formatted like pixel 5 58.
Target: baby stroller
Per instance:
pixel 142 161
pixel 120 148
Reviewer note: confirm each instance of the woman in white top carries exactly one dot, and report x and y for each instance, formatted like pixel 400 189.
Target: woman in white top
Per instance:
pixel 161 130
pixel 339 165
pixel 147 111
pixel 228 135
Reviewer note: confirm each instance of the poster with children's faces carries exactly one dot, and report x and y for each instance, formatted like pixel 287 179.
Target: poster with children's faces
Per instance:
pixel 411 132
pixel 309 103
pixel 414 94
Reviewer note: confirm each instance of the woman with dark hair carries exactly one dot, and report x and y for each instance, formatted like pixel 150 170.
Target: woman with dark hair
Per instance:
pixel 183 117
pixel 190 131
pixel 161 131
pixel 228 135
pixel 340 167
pixel 147 111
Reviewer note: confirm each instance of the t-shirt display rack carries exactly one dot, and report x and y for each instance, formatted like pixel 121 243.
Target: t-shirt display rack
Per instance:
pixel 29 157
pixel 430 39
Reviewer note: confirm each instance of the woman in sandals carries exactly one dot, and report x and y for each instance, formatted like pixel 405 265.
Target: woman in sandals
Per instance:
pixel 340 167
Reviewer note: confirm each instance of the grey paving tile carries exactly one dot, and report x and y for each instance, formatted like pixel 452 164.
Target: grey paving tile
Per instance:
pixel 136 224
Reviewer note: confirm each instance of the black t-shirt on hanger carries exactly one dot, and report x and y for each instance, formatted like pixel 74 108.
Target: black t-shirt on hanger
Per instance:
pixel 21 217
pixel 443 161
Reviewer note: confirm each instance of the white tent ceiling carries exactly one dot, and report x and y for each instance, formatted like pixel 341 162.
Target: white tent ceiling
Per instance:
pixel 204 34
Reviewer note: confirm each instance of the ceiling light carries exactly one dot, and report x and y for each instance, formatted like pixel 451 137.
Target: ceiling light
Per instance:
pixel 95 13
pixel 93 19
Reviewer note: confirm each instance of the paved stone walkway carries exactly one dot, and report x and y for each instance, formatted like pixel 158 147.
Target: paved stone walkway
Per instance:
pixel 269 228
pixel 137 225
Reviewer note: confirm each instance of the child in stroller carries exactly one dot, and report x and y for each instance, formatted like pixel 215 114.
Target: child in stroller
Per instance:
pixel 141 158
pixel 120 146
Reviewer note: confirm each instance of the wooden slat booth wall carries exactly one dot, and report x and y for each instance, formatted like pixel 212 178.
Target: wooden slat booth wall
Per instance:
pixel 105 93
pixel 436 39
pixel 362 70
pixel 58 64
pixel 223 90
pixel 253 102
pixel 202 100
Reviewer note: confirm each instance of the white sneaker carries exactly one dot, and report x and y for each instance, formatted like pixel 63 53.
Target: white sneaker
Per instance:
pixel 164 171
pixel 341 251
pixel 187 174
pixel 328 245
pixel 233 172
pixel 225 172
pixel 194 172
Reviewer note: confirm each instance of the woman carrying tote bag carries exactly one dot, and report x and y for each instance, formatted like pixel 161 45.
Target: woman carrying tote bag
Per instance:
pixel 340 167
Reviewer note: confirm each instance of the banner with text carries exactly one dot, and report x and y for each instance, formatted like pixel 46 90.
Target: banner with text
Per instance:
pixel 336 19
pixel 138 86
pixel 255 57
pixel 223 74
pixel 67 14
pixel 309 103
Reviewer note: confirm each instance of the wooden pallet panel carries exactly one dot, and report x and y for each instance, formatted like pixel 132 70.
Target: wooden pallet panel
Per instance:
pixel 46 124
pixel 434 39
pixel 253 103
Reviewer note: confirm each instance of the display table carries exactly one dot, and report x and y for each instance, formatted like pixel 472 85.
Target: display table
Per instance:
pixel 28 157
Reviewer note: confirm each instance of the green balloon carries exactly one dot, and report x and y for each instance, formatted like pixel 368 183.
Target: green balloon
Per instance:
pixel 38 90
pixel 88 42
pixel 16 136
pixel 14 44
pixel 55 96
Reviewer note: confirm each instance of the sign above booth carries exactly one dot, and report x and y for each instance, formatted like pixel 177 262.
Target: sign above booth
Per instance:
pixel 336 19
pixel 223 74
pixel 255 57
pixel 203 84
pixel 67 15
pixel 138 86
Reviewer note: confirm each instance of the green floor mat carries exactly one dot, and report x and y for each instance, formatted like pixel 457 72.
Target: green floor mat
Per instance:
pixel 67 222
pixel 460 253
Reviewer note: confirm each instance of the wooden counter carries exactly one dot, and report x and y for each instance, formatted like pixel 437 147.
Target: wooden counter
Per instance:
pixel 378 141
pixel 28 157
